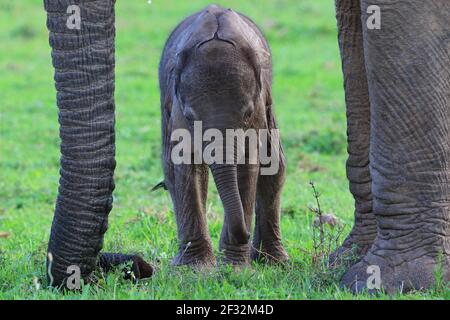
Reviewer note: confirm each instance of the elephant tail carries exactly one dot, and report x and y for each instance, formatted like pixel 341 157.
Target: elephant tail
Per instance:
pixel 160 185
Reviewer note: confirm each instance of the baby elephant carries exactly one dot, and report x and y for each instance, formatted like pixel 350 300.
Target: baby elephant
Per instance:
pixel 215 80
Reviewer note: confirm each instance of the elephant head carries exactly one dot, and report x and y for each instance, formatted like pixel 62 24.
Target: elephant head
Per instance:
pixel 218 75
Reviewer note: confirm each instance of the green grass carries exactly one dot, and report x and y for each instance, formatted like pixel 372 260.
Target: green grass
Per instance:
pixel 308 96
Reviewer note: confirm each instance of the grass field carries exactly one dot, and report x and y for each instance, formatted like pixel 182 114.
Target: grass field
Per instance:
pixel 309 104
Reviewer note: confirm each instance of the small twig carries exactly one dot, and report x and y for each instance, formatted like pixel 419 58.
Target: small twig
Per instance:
pixel 265 254
pixel 318 212
pixel 328 238
pixel 185 249
pixel 49 269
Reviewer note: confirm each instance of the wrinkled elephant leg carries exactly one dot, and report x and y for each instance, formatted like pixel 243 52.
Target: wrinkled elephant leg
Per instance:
pixel 267 244
pixel 407 63
pixel 83 58
pixel 348 14
pixel 188 190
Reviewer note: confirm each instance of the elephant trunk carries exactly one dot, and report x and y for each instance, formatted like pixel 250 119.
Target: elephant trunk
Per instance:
pixel 83 58
pixel 84 75
pixel 235 231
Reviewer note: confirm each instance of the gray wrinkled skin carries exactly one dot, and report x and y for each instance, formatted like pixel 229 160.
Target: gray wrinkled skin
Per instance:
pixel 397 85
pixel 216 67
pixel 84 76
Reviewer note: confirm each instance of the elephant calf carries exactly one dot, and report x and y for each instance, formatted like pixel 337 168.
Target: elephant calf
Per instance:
pixel 216 70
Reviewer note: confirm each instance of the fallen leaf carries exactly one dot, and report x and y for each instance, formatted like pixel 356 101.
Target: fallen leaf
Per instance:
pixel 4 234
pixel 328 218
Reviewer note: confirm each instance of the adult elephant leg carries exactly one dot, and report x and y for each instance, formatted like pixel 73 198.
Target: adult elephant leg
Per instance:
pixel 83 57
pixel 407 63
pixel 348 14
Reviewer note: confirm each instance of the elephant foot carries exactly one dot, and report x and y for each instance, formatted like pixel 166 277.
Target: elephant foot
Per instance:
pixel 271 254
pixel 197 253
pixel 235 254
pixel 385 270
pixel 357 243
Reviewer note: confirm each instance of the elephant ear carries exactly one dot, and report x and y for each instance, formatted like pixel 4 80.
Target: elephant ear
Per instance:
pixel 233 26
pixel 181 60
pixel 202 29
